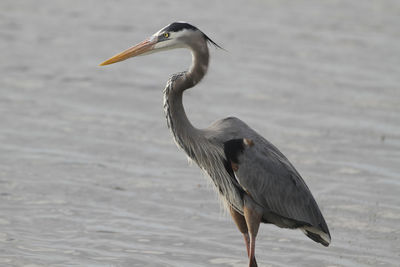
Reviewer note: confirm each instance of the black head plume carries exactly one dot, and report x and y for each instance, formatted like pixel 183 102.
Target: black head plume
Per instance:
pixel 179 26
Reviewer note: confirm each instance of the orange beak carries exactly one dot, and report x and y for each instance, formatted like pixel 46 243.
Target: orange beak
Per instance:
pixel 139 49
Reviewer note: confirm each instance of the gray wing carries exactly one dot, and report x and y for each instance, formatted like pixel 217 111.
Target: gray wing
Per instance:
pixel 270 179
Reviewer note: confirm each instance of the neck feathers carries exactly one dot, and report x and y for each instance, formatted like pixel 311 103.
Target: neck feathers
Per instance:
pixel 198 69
pixel 192 140
pixel 185 135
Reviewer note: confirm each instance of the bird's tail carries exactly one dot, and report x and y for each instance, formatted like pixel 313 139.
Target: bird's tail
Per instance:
pixel 317 235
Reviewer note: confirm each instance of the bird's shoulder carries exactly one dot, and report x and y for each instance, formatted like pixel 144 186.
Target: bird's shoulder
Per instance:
pixel 228 128
pixel 263 158
pixel 233 128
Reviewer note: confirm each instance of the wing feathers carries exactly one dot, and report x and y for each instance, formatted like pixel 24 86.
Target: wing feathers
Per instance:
pixel 272 181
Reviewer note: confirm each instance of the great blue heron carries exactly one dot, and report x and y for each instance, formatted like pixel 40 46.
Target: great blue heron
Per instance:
pixel 255 179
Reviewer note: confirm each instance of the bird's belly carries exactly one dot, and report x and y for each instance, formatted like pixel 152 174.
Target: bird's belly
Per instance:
pixel 228 192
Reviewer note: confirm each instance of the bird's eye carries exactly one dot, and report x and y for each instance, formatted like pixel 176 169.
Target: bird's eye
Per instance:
pixel 166 34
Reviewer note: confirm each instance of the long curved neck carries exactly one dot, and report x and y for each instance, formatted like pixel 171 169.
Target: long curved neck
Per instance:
pixel 198 69
pixel 185 134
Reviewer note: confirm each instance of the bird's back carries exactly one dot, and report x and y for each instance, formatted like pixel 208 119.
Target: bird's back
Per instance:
pixel 272 181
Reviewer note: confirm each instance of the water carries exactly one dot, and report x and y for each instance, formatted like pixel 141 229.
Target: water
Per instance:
pixel 90 176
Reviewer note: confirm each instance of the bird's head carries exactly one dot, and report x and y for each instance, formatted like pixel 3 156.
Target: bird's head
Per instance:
pixel 174 35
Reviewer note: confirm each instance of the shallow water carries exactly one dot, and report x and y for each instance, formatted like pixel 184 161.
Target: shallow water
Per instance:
pixel 90 176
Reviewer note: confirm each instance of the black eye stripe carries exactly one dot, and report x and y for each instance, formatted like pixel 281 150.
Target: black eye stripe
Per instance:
pixel 179 26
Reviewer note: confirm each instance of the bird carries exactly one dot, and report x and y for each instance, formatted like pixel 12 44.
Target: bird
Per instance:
pixel 255 180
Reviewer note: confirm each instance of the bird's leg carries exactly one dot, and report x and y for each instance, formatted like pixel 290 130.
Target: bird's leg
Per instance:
pixel 242 226
pixel 253 219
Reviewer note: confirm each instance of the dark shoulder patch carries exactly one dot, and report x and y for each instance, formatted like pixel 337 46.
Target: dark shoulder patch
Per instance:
pixel 232 149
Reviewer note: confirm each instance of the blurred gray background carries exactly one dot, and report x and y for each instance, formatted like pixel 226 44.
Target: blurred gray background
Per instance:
pixel 90 176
